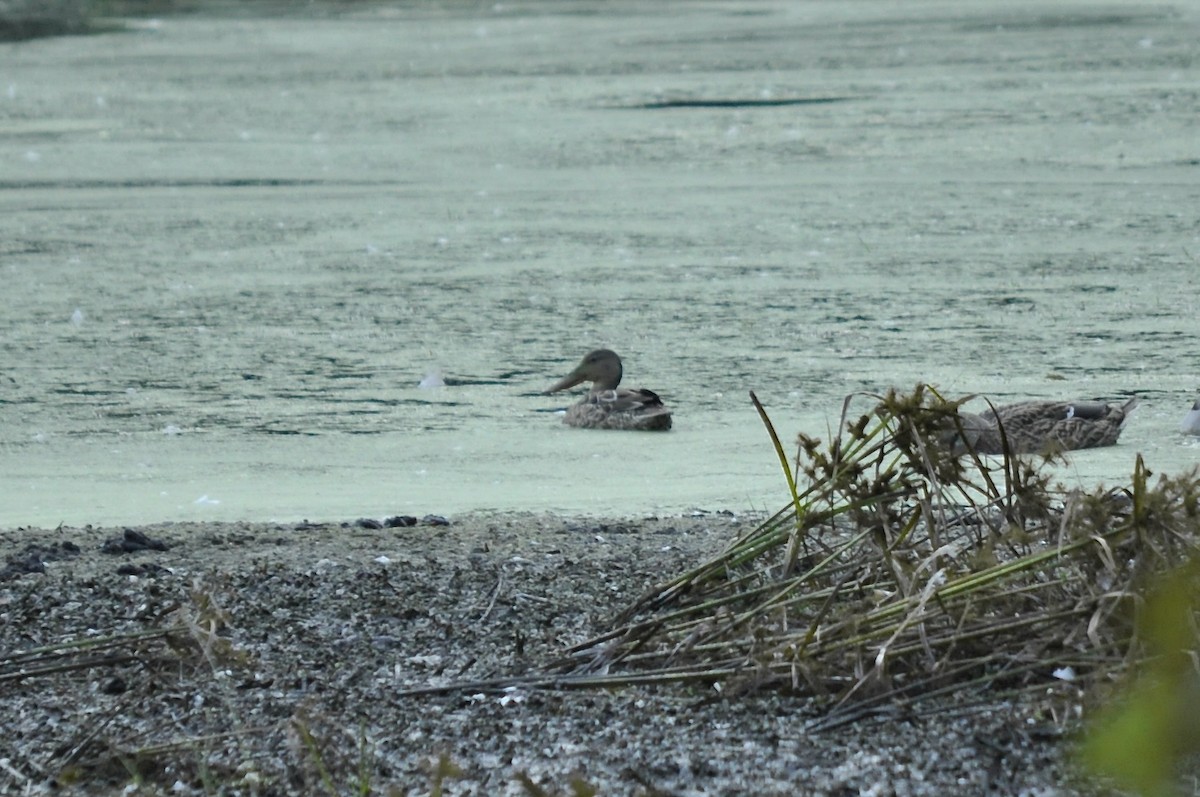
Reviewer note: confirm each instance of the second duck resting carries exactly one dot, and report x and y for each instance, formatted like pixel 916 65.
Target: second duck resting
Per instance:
pixel 1035 426
pixel 607 406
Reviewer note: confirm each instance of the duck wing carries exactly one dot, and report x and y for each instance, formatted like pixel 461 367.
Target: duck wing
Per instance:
pixel 620 409
pixel 622 400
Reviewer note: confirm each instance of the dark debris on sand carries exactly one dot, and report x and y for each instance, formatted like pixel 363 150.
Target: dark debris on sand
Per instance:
pixel 33 558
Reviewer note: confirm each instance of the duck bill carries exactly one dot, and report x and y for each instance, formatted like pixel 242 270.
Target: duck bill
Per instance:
pixel 570 380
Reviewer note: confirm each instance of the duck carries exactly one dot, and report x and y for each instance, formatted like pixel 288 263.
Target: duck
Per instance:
pixel 1037 426
pixel 607 406
pixel 1191 421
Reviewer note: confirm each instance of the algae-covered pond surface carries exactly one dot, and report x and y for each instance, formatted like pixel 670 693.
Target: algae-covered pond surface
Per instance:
pixel 232 247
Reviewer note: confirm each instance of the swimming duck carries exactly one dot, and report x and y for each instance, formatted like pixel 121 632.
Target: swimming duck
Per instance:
pixel 1191 421
pixel 1034 426
pixel 606 406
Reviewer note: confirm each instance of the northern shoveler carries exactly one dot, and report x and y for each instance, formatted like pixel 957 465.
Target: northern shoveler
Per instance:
pixel 607 406
pixel 1034 426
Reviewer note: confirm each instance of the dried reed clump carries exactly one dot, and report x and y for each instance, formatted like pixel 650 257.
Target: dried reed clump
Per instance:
pixel 189 638
pixel 902 572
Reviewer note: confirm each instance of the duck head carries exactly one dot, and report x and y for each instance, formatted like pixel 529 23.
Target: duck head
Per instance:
pixel 601 367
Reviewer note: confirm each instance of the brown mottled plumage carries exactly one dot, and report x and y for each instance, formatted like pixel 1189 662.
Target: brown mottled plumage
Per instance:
pixel 1035 426
pixel 606 406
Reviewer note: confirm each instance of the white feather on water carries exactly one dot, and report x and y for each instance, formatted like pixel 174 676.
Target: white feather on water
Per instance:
pixel 432 379
pixel 1191 421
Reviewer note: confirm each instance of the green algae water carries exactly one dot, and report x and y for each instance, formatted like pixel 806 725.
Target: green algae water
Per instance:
pixel 233 249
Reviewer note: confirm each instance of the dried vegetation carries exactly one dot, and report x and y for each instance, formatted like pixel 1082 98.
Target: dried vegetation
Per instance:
pixel 904 577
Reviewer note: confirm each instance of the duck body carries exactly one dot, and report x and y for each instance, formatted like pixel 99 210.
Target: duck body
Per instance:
pixel 1036 426
pixel 607 406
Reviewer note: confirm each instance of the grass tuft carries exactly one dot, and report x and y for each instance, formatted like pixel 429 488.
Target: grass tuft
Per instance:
pixel 904 571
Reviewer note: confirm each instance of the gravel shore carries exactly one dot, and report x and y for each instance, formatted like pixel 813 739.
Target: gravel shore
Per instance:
pixel 301 637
